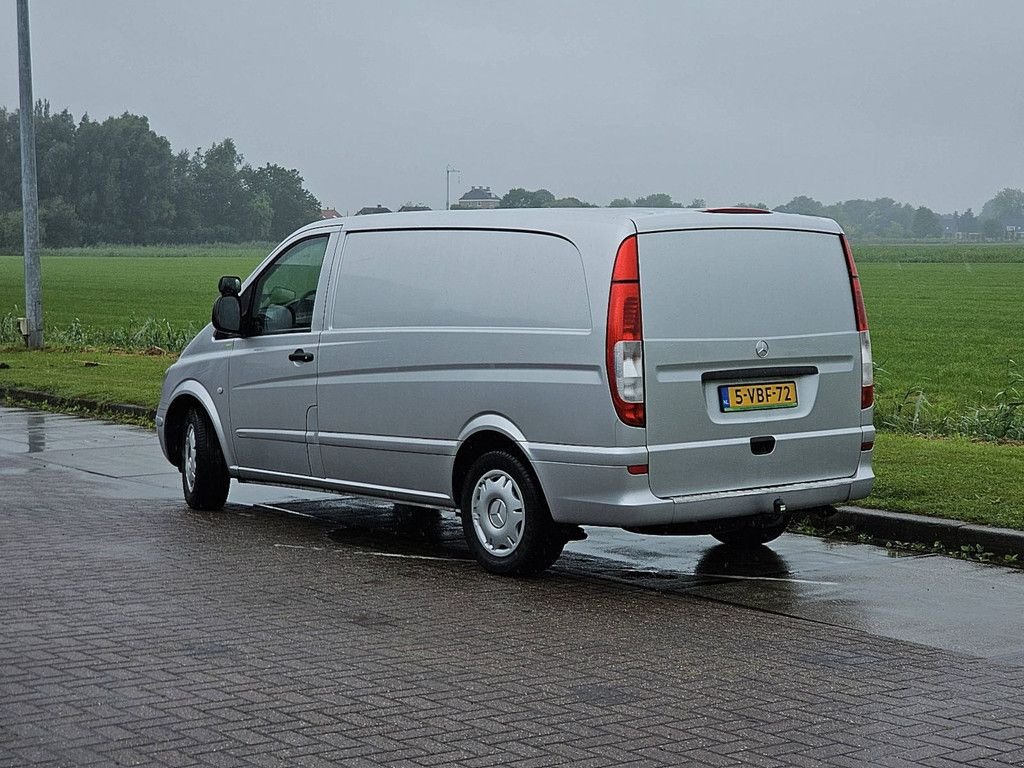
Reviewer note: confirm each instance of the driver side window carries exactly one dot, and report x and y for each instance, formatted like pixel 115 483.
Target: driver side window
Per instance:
pixel 284 295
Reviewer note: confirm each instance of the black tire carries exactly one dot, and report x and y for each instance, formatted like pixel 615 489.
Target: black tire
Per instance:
pixel 508 482
pixel 752 535
pixel 204 475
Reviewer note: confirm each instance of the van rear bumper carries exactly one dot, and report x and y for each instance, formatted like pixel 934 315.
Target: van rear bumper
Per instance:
pixel 584 494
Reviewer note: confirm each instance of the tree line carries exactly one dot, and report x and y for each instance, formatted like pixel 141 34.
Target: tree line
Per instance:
pixel 881 218
pixel 542 198
pixel 118 181
pixel 886 218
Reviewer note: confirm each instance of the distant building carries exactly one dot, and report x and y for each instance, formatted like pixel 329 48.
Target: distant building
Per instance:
pixel 372 209
pixel 329 213
pixel 478 198
pixel 409 208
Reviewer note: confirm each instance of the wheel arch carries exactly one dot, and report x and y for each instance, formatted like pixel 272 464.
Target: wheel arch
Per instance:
pixel 191 394
pixel 488 432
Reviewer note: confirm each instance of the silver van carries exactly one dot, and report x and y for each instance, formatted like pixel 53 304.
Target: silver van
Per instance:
pixel 662 371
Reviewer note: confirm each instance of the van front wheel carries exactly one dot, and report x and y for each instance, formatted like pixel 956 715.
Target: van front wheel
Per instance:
pixel 505 518
pixel 204 475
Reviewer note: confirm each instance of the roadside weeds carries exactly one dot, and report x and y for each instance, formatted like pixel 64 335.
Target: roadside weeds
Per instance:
pixel 901 532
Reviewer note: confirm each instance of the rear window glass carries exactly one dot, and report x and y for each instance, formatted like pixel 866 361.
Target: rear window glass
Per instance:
pixel 739 283
pixel 460 279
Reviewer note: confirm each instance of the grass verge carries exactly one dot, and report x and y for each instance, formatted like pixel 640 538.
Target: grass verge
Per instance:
pixel 102 377
pixel 953 478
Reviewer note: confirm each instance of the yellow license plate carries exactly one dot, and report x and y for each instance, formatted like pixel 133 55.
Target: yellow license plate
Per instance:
pixel 753 397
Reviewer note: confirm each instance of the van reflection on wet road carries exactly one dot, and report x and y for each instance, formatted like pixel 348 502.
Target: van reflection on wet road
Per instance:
pixel 35 428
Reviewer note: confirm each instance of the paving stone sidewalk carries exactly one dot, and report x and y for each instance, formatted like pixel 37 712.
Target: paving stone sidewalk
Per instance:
pixel 137 633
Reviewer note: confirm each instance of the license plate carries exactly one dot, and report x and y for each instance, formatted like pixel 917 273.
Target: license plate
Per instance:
pixel 755 397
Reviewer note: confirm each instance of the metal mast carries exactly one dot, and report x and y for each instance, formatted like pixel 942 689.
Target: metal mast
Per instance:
pixel 29 193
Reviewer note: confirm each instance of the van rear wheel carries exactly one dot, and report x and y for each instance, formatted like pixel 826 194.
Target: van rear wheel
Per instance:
pixel 752 535
pixel 204 474
pixel 505 519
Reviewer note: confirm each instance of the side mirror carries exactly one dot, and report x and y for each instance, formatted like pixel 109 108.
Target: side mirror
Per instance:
pixel 227 314
pixel 230 285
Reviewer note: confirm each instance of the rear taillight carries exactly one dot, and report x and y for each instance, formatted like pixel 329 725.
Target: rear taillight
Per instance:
pixel 867 371
pixel 625 340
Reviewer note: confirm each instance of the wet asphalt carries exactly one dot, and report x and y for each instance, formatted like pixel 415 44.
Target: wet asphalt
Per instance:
pixel 930 600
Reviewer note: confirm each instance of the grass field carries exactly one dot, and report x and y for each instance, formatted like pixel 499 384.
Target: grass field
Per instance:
pixel 106 291
pixel 938 253
pixel 946 337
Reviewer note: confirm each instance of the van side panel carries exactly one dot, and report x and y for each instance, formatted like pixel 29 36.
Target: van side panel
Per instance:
pixel 428 329
pixel 712 300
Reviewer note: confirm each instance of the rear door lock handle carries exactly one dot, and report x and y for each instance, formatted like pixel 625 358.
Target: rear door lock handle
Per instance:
pixel 299 356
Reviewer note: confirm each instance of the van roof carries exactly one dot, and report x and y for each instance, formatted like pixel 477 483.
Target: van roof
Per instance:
pixel 556 219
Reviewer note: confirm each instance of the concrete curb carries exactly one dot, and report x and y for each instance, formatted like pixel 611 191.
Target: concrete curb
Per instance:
pixel 77 403
pixel 952 534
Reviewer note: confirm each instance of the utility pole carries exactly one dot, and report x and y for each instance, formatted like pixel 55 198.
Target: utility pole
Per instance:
pixel 448 171
pixel 29 195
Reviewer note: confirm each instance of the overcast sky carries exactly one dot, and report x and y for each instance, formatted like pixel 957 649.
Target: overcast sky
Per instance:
pixel 729 101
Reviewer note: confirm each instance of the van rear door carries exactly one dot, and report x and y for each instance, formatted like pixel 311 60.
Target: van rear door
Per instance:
pixel 751 359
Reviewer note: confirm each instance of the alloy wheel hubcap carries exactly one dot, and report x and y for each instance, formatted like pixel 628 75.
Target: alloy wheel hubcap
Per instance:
pixel 498 513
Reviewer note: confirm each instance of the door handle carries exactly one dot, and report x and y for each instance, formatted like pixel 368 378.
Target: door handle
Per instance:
pixel 299 356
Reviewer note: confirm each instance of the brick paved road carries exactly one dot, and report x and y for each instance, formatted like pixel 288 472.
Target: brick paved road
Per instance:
pixel 134 632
